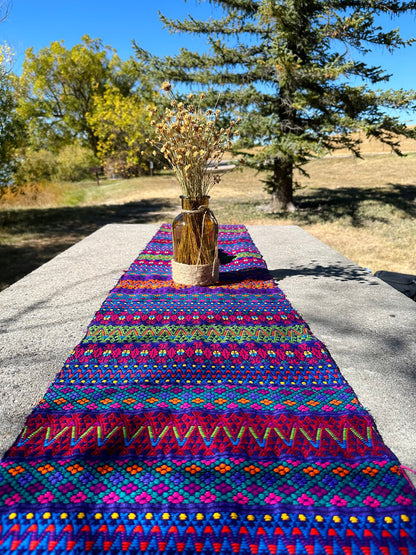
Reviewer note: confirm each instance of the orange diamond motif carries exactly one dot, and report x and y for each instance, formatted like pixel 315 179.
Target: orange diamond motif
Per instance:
pixel 266 402
pixel 282 470
pixel 83 401
pixel 342 471
pixel 106 401
pixel 193 469
pixel 223 468
pixel 164 469
pixel 312 471
pixel 134 469
pixel 129 401
pixel 252 469
pixel 16 470
pixel 370 470
pixel 74 468
pixel 104 469
pixel 45 468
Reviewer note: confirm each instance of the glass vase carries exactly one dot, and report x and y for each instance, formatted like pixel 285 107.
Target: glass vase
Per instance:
pixel 195 243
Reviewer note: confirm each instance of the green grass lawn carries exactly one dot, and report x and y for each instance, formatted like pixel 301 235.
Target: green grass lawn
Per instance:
pixel 365 209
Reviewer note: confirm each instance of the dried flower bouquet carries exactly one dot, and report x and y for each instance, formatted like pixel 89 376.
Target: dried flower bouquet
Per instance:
pixel 193 143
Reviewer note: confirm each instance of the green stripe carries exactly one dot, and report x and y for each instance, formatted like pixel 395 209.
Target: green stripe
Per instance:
pixel 214 334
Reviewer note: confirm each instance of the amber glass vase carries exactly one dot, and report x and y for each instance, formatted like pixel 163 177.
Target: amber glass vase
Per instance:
pixel 195 234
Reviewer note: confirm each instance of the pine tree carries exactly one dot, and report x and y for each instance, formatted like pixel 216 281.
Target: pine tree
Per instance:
pixel 295 71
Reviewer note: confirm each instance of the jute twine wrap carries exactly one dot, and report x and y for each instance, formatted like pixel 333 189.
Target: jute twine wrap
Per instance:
pixel 189 274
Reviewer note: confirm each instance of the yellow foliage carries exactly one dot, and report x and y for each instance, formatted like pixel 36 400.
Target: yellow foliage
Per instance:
pixel 121 125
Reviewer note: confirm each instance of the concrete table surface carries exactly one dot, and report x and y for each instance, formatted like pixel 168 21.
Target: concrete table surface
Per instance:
pixel 368 327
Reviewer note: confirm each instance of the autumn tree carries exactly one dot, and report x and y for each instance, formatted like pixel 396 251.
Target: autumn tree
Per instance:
pixel 11 125
pixel 296 72
pixel 59 87
pixel 121 126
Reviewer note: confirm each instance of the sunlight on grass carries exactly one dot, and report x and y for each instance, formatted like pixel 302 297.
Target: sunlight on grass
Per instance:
pixel 365 209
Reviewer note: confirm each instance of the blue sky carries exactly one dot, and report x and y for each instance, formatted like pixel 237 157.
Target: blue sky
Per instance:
pixel 39 22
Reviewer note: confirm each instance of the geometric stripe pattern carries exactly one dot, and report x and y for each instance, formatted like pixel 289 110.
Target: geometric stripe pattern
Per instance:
pixel 221 398
pixel 202 420
pixel 220 334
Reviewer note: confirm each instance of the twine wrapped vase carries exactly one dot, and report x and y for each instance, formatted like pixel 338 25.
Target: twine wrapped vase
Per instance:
pixel 195 243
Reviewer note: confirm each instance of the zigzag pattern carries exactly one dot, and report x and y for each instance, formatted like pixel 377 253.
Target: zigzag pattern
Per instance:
pixel 202 420
pixel 197 434
pixel 215 333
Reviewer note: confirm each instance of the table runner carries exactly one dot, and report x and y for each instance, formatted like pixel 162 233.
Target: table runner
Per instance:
pixel 202 420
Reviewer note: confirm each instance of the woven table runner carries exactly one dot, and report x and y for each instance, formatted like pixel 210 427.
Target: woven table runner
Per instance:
pixel 202 420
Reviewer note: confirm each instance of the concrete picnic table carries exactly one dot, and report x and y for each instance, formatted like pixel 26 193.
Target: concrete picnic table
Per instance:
pixel 368 327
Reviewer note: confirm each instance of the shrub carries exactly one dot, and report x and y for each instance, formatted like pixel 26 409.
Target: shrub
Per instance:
pixel 36 166
pixel 75 163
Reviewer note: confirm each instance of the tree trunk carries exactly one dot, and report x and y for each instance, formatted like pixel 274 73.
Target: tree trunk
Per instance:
pixel 282 187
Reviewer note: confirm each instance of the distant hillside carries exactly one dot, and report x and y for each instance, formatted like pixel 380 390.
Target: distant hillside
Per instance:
pixel 372 146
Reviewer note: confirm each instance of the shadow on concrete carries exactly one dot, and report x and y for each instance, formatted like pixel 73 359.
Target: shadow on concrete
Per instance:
pixel 317 271
pixel 323 205
pixel 52 230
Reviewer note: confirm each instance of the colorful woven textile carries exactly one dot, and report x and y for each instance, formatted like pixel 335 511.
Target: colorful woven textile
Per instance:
pixel 202 420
